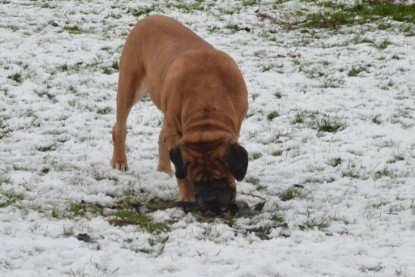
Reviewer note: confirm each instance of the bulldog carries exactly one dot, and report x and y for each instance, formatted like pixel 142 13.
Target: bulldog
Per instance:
pixel 203 97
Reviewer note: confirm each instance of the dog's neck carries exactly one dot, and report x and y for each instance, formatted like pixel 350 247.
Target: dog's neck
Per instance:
pixel 208 122
pixel 204 149
pixel 206 136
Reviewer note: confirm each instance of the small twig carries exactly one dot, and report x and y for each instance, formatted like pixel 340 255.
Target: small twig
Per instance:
pixel 124 222
pixel 252 195
pixel 266 16
pixel 274 19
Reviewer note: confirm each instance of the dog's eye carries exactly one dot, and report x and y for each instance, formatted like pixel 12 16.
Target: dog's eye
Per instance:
pixel 222 159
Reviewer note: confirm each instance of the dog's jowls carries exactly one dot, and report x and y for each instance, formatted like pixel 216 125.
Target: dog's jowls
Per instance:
pixel 203 97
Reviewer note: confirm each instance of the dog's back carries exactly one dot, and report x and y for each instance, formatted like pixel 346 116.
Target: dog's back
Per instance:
pixel 152 46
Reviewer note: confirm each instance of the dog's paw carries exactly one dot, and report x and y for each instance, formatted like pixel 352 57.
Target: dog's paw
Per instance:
pixel 120 165
pixel 187 198
pixel 166 169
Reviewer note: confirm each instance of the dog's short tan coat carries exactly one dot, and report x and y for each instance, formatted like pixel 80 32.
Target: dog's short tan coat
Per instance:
pixel 203 97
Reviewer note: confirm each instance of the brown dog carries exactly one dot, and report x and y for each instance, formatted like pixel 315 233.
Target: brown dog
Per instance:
pixel 203 97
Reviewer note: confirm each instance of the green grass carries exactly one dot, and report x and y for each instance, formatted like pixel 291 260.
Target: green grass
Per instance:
pixel 105 110
pixel 213 29
pixel 255 182
pixel 11 198
pixel 78 209
pixel 250 3
pixel 313 224
pixel 69 68
pixel 291 193
pixel 142 11
pixel 72 89
pixel 156 246
pixel 45 93
pixel 376 268
pixel 252 180
pixel 106 70
pixel 267 68
pixel 17 168
pixel 395 57
pixel 5 132
pixel 337 15
pixel 383 45
pixel 385 172
pixel 158 203
pixel 233 27
pixel 330 125
pixel 81 209
pixel 143 221
pixel 277 153
pixel 5 180
pixel 396 158
pixel 272 115
pixel 278 95
pixel 68 232
pixel 73 29
pixel 332 82
pixel 256 155
pixel 46 148
pixel 299 118
pixel 382 8
pixel 355 71
pixel 376 119
pixel 115 65
pixel 188 6
pixel 335 162
pixel 17 77
pixel 47 6
pixel 328 20
pixel 63 68
pixel 351 173
pixel 277 218
pixel 55 213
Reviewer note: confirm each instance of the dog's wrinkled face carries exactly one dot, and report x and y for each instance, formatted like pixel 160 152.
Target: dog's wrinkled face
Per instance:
pixel 213 194
pixel 213 184
pixel 211 172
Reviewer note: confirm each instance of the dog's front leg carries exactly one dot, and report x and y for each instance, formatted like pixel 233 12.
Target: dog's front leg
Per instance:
pixel 170 139
pixel 186 191
pixel 164 159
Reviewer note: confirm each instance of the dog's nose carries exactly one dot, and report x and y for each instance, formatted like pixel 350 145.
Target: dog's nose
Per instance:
pixel 209 200
pixel 214 195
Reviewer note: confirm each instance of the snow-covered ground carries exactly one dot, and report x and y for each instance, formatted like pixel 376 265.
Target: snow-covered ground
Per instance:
pixel 330 133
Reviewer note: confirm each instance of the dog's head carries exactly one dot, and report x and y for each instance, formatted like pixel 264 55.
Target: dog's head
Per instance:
pixel 212 169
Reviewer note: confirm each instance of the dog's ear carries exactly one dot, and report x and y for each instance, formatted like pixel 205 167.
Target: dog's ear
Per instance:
pixel 179 164
pixel 236 158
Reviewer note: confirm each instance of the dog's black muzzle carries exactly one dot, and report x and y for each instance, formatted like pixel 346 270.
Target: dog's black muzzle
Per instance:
pixel 213 195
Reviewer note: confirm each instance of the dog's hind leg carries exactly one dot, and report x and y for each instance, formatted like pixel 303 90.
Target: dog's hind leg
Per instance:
pixel 131 88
